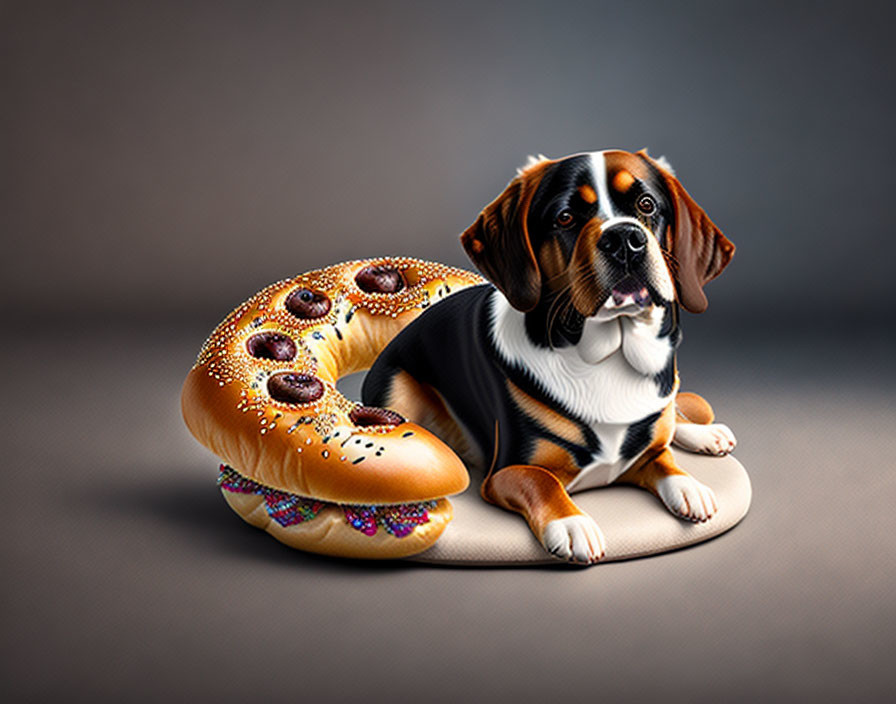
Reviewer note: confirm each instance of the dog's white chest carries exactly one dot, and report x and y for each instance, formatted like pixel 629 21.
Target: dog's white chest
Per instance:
pixel 608 379
pixel 607 464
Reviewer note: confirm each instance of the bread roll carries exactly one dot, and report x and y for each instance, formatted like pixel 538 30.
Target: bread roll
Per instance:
pixel 262 396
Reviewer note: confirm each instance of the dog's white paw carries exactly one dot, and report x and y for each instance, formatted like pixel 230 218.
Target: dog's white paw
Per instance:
pixel 713 439
pixel 687 498
pixel 575 539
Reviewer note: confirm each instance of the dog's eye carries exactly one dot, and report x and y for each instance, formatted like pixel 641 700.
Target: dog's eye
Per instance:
pixel 646 205
pixel 565 218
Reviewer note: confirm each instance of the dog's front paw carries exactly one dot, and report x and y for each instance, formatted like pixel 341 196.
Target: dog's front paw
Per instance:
pixel 713 439
pixel 687 498
pixel 574 539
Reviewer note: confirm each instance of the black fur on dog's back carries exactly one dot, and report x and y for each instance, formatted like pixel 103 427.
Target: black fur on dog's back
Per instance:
pixel 449 349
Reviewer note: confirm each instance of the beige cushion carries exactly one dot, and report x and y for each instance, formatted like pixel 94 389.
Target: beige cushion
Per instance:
pixel 634 522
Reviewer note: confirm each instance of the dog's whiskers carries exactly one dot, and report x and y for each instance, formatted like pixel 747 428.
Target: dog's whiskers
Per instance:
pixel 562 302
pixel 671 262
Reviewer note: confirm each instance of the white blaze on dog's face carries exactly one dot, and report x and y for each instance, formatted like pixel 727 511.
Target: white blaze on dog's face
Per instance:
pixel 630 222
pixel 596 235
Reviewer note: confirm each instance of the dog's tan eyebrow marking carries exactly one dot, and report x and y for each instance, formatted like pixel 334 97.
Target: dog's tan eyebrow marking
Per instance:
pixel 587 193
pixel 623 180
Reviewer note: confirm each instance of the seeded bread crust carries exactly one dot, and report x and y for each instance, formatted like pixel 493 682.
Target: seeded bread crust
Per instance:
pixel 309 444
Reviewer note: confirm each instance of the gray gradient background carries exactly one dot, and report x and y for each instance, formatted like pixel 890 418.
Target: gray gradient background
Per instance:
pixel 162 161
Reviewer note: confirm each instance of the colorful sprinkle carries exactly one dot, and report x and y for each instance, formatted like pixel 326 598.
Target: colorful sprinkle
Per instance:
pixel 286 509
pixel 398 520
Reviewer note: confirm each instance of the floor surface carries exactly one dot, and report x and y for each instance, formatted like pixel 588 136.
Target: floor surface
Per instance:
pixel 126 577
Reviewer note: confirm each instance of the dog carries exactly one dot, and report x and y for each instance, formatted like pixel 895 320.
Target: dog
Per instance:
pixel 560 374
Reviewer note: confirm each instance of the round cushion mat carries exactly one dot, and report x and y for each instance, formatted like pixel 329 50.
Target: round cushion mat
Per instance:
pixel 635 523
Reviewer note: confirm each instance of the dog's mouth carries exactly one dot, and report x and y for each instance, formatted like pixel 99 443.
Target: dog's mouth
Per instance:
pixel 629 296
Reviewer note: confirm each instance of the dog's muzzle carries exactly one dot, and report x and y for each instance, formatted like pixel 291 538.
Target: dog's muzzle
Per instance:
pixel 624 244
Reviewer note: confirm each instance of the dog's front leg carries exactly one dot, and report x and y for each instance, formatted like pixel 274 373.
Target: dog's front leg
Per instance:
pixel 679 491
pixel 561 526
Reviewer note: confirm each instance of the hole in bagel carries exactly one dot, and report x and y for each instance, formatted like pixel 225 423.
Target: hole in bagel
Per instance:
pixel 271 345
pixel 380 278
pixel 289 387
pixel 371 415
pixel 305 303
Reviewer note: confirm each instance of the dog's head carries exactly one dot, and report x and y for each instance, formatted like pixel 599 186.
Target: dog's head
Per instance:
pixel 614 231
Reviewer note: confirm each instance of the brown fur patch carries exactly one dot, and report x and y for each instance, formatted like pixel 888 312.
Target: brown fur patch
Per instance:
pixel 649 474
pixel 553 266
pixel 424 405
pixel 693 409
pixel 506 256
pixel 587 194
pixel 659 444
pixel 558 424
pixel 554 458
pixel 698 246
pixel 585 291
pixel 663 430
pixel 532 491
pixel 622 162
pixel 623 180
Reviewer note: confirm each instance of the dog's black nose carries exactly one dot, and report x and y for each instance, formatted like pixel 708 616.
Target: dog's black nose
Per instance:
pixel 625 243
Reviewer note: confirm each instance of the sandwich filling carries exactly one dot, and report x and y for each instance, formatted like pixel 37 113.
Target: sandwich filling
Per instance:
pixel 398 520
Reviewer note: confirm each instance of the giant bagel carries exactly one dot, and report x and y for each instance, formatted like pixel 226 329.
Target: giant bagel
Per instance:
pixel 317 471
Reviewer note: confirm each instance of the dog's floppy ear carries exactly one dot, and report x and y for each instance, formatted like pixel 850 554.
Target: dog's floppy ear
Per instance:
pixel 700 249
pixel 498 242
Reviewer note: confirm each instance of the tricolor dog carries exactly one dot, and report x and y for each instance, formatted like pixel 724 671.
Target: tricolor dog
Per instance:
pixel 560 374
